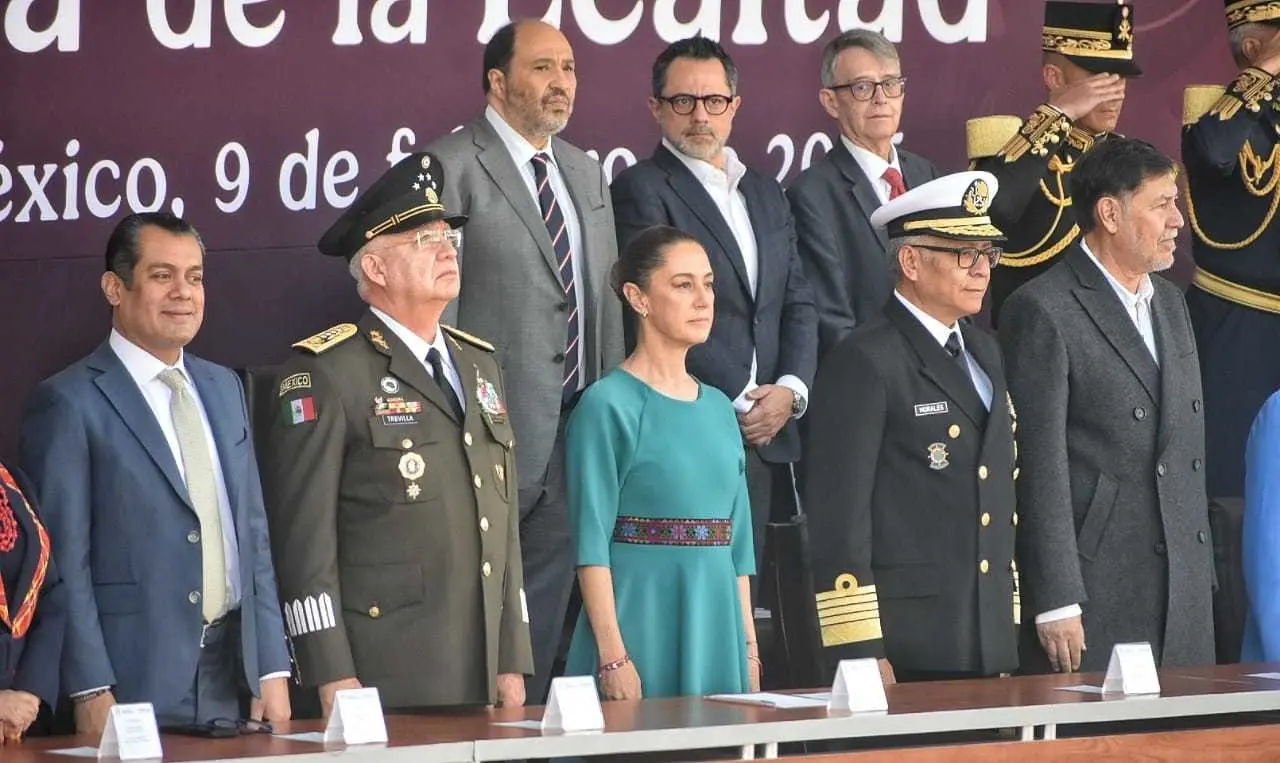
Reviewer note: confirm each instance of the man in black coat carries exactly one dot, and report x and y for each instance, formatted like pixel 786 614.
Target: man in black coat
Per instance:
pixel 910 457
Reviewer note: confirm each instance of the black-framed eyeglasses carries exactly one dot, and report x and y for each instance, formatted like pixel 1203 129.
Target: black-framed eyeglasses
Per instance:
pixel 865 89
pixel 241 725
pixel 967 257
pixel 684 103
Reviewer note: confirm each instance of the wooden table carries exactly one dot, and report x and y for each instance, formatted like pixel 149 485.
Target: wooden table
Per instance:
pixel 1027 702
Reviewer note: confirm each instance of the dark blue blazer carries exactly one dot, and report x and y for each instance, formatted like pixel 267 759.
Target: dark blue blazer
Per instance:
pixel 120 516
pixel 31 663
pixel 779 322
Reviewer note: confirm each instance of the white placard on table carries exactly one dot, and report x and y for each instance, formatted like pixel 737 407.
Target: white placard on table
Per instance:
pixel 131 733
pixel 573 705
pixel 1132 670
pixel 356 718
pixel 858 687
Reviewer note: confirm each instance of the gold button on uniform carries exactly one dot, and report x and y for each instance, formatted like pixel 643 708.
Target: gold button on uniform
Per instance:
pixel 982 472
pixel 954 431
pixel 1015 519
pixel 1013 565
pixel 374 612
pixel 478 482
pixel 986 518
pixel 484 524
pixel 466 438
pixel 984 567
pixel 1016 472
pixel 406 443
pixel 485 569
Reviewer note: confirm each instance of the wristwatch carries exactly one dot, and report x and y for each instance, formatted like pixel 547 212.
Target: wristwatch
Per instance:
pixel 798 404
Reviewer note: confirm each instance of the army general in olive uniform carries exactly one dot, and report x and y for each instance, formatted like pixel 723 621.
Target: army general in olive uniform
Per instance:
pixel 390 478
pixel 909 477
pixel 1088 54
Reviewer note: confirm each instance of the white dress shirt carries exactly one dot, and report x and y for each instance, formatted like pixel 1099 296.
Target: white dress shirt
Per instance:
pixel 941 333
pixel 873 167
pixel 419 347
pixel 722 187
pixel 522 152
pixel 1138 308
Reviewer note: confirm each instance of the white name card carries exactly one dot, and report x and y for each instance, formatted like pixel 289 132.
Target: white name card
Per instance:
pixel 574 705
pixel 356 718
pixel 131 733
pixel 858 687
pixel 1132 670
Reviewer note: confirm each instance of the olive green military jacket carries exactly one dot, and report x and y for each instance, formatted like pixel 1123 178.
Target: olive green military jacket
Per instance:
pixel 395 525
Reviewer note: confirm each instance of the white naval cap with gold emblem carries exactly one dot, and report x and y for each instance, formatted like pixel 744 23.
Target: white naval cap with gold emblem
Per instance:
pixel 953 206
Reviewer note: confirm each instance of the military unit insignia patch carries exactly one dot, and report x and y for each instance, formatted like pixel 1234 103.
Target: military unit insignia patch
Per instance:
pixel 300 410
pixel 389 385
pixel 490 402
pixel 294 383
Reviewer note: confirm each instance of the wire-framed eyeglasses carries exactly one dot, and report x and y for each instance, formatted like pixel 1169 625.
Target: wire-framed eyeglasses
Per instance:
pixel 967 256
pixel 436 236
pixel 865 89
pixel 684 103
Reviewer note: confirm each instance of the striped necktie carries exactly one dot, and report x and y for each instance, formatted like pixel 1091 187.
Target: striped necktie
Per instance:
pixel 197 466
pixel 553 218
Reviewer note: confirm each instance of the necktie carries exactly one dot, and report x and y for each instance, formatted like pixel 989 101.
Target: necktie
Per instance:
pixel 553 218
pixel 197 465
pixel 894 179
pixel 437 370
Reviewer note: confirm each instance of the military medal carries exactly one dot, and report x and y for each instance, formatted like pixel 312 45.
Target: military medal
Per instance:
pixel 389 385
pixel 938 456
pixel 490 403
pixel 396 410
pixel 412 490
pixel 412 466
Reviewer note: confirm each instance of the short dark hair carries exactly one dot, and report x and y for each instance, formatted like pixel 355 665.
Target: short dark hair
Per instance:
pixel 1114 167
pixel 122 246
pixel 699 48
pixel 643 254
pixel 499 51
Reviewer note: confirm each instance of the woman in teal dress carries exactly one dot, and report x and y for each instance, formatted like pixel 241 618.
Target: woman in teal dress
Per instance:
pixel 658 498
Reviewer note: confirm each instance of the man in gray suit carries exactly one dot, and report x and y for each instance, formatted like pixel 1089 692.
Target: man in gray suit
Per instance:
pixel 844 255
pixel 1114 545
pixel 535 264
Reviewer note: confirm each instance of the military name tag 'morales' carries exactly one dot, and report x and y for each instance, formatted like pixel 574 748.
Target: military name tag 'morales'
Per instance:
pixel 932 409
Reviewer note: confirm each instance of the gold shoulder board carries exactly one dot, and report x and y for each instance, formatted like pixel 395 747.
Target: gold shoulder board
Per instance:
pixel 468 338
pixel 1197 100
pixel 327 339
pixel 985 136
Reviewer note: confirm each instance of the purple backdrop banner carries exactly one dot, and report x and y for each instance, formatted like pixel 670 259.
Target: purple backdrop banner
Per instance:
pixel 259 120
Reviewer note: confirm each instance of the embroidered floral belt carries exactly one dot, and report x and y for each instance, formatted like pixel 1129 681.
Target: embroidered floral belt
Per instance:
pixel 673 532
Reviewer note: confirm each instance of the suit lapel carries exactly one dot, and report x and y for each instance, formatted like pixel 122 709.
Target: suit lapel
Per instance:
pixel 936 365
pixel 691 192
pixel 404 366
pixel 496 160
pixel 1166 316
pixel 124 396
pixel 859 184
pixel 1103 306
pixel 914 171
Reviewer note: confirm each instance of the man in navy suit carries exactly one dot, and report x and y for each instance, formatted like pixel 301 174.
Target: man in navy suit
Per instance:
pixel 144 470
pixel 764 342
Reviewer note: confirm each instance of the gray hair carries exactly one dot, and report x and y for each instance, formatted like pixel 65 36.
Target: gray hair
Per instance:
pixel 356 268
pixel 894 250
pixel 873 42
pixel 1237 36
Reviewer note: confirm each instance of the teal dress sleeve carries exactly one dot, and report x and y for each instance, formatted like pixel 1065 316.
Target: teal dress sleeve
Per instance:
pixel 600 439
pixel 744 550
pixel 1261 560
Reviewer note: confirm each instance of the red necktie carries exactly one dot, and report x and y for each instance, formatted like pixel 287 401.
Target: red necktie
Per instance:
pixel 894 179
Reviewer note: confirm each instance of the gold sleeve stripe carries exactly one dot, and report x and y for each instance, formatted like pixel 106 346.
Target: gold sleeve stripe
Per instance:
pixel 985 136
pixel 1197 100
pixel 829 612
pixel 848 614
